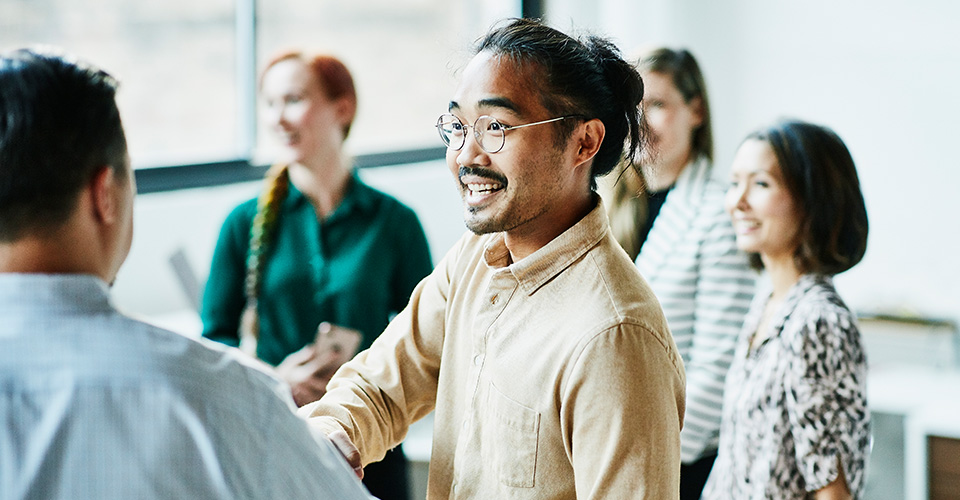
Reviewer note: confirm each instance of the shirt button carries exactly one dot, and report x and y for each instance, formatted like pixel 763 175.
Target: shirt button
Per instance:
pixel 478 359
pixel 465 423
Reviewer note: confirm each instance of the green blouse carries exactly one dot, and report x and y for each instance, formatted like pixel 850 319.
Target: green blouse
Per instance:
pixel 355 269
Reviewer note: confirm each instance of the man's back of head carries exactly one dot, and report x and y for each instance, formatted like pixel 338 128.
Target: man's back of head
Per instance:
pixel 59 123
pixel 66 188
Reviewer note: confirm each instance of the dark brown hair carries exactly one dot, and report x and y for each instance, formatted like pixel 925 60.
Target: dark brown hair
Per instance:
pixel 819 173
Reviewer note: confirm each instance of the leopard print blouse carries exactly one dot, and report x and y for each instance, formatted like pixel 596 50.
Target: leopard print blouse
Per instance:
pixel 795 403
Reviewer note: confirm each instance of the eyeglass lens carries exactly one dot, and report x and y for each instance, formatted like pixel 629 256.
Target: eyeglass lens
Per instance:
pixel 488 131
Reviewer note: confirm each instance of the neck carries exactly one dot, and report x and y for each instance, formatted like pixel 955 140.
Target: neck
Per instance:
pixel 83 244
pixel 323 182
pixel 523 241
pixel 783 274
pixel 46 255
pixel 660 176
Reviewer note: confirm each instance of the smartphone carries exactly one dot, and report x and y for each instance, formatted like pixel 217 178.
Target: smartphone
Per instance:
pixel 338 342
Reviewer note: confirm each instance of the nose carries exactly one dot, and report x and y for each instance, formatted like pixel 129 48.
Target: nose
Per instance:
pixel 736 198
pixel 742 203
pixel 471 153
pixel 274 114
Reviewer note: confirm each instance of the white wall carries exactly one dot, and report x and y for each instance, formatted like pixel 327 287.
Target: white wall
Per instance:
pixel 882 73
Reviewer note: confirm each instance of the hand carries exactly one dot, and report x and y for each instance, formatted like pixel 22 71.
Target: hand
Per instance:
pixel 837 489
pixel 308 373
pixel 346 448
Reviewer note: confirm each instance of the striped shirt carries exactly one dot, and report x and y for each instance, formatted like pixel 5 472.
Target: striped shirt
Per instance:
pixel 97 405
pixel 705 285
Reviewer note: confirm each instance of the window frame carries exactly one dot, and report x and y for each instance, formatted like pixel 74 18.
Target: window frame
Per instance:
pixel 177 177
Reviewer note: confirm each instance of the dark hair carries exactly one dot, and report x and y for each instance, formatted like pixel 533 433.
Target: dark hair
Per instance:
pixel 586 77
pixel 683 69
pixel 820 175
pixel 335 79
pixel 59 124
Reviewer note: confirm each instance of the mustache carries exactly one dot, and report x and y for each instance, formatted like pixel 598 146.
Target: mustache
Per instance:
pixel 483 172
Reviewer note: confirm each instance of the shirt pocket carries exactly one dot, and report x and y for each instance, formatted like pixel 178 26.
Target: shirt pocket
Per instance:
pixel 516 430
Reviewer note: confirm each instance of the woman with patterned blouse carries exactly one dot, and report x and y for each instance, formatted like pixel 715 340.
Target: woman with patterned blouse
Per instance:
pixel 795 420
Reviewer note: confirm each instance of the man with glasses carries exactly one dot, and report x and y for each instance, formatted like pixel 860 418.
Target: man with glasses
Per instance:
pixel 541 349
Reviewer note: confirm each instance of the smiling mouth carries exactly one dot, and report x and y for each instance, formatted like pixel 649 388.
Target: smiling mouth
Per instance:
pixel 480 183
pixel 478 189
pixel 744 226
pixel 288 138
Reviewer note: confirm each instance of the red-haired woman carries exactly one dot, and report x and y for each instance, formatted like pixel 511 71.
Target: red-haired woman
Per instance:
pixel 318 249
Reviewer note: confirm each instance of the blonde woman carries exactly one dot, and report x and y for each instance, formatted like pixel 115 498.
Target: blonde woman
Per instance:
pixel 670 219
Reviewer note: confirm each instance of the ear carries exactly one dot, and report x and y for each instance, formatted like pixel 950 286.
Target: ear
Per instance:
pixel 346 109
pixel 696 109
pixel 103 190
pixel 590 137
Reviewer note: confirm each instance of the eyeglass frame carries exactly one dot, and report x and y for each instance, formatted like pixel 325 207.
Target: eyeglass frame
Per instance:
pixel 476 134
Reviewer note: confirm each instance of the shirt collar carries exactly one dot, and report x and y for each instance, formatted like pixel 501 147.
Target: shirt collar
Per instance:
pixel 54 292
pixel 794 295
pixel 536 269
pixel 359 196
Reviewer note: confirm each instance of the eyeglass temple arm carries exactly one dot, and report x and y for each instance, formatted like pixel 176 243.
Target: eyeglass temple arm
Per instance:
pixel 511 127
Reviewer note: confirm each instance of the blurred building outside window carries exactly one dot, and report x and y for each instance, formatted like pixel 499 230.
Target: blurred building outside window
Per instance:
pixel 188 68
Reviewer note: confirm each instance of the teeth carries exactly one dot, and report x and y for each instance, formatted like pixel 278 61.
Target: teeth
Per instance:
pixel 482 187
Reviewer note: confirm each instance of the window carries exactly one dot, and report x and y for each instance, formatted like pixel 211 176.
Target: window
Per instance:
pixel 175 61
pixel 402 54
pixel 188 68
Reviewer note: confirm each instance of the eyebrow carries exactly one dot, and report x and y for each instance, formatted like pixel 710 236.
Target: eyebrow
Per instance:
pixel 491 102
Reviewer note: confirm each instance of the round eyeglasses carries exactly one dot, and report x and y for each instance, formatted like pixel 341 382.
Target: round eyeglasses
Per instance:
pixel 489 132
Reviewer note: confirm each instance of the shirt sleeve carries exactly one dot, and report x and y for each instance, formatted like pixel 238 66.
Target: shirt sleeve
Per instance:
pixel 306 465
pixel 415 262
pixel 223 295
pixel 633 444
pixel 825 401
pixel 724 288
pixel 377 395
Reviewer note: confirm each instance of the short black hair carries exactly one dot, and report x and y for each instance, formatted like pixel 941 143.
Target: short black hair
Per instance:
pixel 586 77
pixel 820 174
pixel 59 124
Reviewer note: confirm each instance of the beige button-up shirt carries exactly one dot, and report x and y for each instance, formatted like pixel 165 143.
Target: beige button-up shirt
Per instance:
pixel 554 377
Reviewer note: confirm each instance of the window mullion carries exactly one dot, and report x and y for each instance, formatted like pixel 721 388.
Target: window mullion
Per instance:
pixel 246 43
